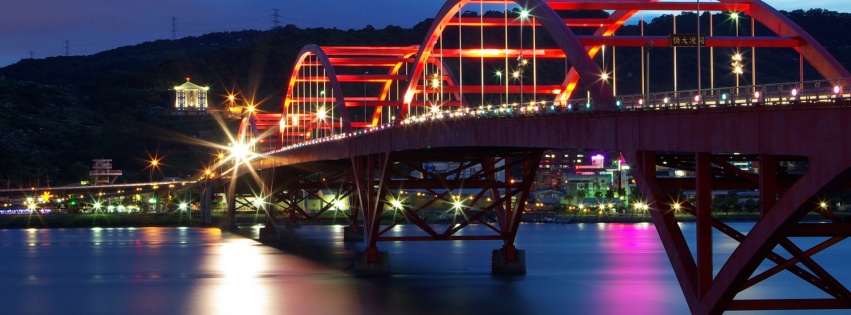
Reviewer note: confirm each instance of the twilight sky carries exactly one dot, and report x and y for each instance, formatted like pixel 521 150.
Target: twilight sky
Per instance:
pixel 40 28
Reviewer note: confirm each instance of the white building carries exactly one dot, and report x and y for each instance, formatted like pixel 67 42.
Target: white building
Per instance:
pixel 190 99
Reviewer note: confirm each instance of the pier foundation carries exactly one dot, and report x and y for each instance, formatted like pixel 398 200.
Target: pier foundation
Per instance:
pixel 352 235
pixel 508 261
pixel 363 266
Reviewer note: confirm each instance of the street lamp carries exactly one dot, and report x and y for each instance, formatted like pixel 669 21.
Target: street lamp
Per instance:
pixel 518 73
pixel 154 164
pixel 737 68
pixel 737 58
pixel 221 157
pixel 647 47
pixel 735 17
pixel 499 77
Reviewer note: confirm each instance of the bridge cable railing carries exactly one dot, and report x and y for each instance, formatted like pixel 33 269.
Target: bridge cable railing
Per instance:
pixel 803 92
pixel 817 91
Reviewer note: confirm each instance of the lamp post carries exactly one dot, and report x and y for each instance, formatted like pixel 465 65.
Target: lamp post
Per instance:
pixel 647 48
pixel 737 57
pixel 154 164
pixel 499 77
pixel 221 157
pixel 735 17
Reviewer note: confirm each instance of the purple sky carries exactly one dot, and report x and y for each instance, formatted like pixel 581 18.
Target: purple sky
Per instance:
pixel 40 28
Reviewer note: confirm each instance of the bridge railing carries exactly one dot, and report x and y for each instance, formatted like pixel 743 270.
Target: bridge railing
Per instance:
pixel 750 95
pixel 806 92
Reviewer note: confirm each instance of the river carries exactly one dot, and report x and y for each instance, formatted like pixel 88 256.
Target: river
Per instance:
pixel 600 268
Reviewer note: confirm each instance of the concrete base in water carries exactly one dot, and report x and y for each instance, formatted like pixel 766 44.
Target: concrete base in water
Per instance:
pixel 271 237
pixel 364 268
pixel 501 266
pixel 349 236
pixel 292 224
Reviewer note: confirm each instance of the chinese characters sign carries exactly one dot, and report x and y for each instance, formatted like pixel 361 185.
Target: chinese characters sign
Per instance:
pixel 686 40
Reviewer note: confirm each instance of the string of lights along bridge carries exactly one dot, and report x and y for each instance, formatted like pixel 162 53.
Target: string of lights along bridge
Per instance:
pixel 496 84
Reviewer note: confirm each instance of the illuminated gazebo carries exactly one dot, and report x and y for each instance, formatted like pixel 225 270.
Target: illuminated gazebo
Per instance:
pixel 190 99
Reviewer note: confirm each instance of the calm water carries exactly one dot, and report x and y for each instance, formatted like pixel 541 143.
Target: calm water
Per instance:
pixel 572 269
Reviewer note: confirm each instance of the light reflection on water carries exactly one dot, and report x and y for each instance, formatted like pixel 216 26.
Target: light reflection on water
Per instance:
pixel 572 269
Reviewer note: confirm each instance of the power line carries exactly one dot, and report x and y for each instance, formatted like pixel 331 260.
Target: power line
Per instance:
pixel 276 23
pixel 173 28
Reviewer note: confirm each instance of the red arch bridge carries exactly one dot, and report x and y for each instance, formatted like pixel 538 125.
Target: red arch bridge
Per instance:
pixel 496 83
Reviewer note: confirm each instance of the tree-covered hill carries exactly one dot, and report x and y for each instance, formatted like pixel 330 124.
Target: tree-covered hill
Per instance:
pixel 62 112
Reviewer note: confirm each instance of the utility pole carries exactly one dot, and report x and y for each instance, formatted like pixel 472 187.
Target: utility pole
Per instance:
pixel 32 54
pixel 67 48
pixel 276 22
pixel 173 28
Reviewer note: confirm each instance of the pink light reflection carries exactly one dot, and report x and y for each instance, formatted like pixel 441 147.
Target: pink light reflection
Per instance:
pixel 634 261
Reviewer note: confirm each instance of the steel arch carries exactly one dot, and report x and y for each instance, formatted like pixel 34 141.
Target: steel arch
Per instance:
pixel 811 50
pixel 564 37
pixel 331 59
pixel 338 100
pixel 260 131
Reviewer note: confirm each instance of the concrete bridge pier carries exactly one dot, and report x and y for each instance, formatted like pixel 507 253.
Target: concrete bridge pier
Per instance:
pixel 372 262
pixel 353 233
pixel 271 233
pixel 508 260
pixel 228 222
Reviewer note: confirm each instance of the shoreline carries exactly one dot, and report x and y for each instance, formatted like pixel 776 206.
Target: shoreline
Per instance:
pixel 178 219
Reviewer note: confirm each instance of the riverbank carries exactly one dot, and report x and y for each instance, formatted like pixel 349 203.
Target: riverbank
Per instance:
pixel 56 220
pixel 181 219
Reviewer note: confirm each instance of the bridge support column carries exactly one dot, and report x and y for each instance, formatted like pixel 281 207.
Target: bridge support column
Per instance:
pixel 371 262
pixel 370 194
pixel 228 222
pixel 353 233
pixel 767 183
pixel 206 202
pixel 703 222
pixel 508 260
pixel 778 226
pixel 271 232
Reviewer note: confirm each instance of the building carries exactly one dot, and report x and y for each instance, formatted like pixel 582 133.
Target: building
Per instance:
pixel 102 172
pixel 585 174
pixel 190 99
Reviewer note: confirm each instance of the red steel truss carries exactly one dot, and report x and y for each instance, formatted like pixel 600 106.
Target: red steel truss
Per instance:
pixel 478 188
